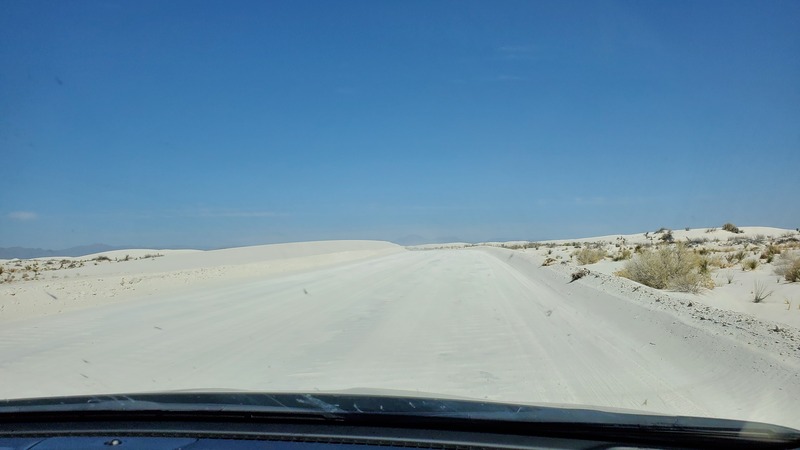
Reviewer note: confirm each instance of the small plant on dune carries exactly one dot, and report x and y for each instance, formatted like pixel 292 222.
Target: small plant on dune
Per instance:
pixel 770 252
pixel 548 261
pixel 623 255
pixel 710 230
pixel 788 266
pixel 736 257
pixel 675 268
pixel 749 264
pixel 667 237
pixel 102 258
pixel 580 273
pixel 589 255
pixel 729 276
pixel 732 228
pixel 760 292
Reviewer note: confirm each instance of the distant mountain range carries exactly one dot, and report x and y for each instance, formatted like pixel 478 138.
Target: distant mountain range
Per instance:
pixel 81 250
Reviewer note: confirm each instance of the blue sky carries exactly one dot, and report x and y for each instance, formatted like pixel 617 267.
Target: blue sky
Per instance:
pixel 209 124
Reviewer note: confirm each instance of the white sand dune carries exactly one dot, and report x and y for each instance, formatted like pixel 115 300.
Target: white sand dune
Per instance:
pixel 479 322
pixel 171 271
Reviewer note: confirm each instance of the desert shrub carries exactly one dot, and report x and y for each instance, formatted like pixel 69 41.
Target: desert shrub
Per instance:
pixel 674 268
pixel 710 230
pixel 589 255
pixel 102 258
pixel 770 251
pixel 788 266
pixel 666 236
pixel 580 273
pixel 749 264
pixel 548 261
pixel 704 265
pixel 623 255
pixel 736 257
pixel 732 228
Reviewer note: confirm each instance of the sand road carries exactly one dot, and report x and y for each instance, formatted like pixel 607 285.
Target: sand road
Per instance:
pixel 475 323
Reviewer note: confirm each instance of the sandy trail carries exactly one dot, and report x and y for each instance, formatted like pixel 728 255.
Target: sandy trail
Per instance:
pixel 476 323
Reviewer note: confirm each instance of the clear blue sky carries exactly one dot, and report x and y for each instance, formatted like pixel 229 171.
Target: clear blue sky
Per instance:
pixel 210 124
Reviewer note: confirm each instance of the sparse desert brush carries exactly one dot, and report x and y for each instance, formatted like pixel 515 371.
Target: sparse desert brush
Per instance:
pixel 673 267
pixel 704 265
pixel 760 292
pixel 667 237
pixel 102 258
pixel 710 230
pixel 768 254
pixel 580 273
pixel 729 276
pixel 624 254
pixel 749 264
pixel 589 255
pixel 736 257
pixel 548 261
pixel 732 228
pixel 788 266
pixel 713 261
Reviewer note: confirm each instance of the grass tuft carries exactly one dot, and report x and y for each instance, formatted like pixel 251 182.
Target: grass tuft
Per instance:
pixel 760 292
pixel 589 255
pixel 749 264
pixel 675 268
pixel 788 266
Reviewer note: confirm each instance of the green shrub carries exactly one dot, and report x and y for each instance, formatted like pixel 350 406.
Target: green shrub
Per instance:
pixel 674 268
pixel 589 255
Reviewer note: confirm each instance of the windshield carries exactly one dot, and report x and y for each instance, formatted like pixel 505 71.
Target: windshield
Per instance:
pixel 577 204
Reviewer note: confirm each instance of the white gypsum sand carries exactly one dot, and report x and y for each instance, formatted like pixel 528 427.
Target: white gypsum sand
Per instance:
pixel 481 322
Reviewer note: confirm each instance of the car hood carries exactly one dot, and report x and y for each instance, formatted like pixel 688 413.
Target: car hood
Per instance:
pixel 376 404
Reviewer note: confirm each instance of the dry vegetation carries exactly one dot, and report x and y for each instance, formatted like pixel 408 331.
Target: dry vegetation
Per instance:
pixel 788 266
pixel 673 267
pixel 589 255
pixel 29 270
